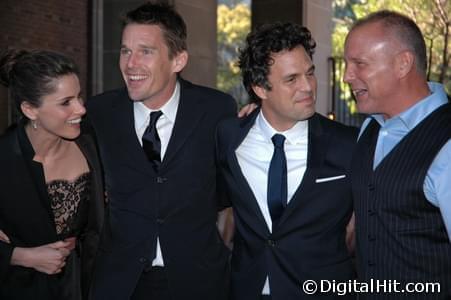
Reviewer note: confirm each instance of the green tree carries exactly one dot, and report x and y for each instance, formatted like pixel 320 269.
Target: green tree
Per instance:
pixel 233 25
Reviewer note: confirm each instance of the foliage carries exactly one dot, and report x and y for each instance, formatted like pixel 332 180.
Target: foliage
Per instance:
pixel 233 25
pixel 432 16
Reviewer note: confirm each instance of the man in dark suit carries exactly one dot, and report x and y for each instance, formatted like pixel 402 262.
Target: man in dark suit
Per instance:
pixel 286 169
pixel 401 169
pixel 156 142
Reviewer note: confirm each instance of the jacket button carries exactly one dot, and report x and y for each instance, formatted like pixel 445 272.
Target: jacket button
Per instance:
pixel 160 221
pixel 161 179
pixel 371 238
pixel 371 263
pixel 271 243
pixel 371 212
pixel 371 187
pixel 142 260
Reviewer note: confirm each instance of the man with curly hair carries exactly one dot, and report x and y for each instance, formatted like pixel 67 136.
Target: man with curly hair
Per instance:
pixel 286 169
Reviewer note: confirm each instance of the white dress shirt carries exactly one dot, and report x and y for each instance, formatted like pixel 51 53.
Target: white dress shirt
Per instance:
pixel 164 125
pixel 254 156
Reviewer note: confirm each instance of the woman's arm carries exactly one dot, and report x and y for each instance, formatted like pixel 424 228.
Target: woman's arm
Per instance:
pixel 49 258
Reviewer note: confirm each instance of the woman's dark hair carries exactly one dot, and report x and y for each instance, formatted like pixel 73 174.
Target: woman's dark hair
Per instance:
pixel 30 75
pixel 164 16
pixel 256 58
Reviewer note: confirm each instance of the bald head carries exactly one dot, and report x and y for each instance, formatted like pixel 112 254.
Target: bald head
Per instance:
pixel 400 30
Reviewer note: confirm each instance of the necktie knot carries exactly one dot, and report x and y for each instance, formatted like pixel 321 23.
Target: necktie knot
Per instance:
pixel 278 140
pixel 154 116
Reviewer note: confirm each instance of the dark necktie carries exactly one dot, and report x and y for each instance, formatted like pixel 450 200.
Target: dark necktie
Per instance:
pixel 151 140
pixel 277 179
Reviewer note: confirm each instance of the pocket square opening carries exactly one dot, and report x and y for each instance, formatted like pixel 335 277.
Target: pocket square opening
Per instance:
pixel 325 179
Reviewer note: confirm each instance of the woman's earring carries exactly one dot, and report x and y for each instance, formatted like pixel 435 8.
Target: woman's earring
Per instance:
pixel 34 124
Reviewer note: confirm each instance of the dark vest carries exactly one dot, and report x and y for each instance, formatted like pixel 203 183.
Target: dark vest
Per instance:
pixel 400 234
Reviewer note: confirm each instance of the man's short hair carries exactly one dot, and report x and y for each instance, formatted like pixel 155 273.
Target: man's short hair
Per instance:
pixel 164 16
pixel 404 29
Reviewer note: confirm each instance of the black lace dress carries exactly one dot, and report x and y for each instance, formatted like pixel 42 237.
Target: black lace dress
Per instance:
pixel 69 203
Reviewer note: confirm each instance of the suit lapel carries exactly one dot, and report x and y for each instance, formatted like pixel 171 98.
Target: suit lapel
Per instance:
pixel 122 109
pixel 249 197
pixel 189 114
pixel 317 148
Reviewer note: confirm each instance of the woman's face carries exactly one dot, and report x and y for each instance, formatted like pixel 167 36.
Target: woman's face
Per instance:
pixel 61 111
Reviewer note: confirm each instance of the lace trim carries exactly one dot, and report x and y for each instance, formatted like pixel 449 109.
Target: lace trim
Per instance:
pixel 65 199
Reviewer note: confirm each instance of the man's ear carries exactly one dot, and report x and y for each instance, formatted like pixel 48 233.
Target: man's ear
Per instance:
pixel 260 91
pixel 405 62
pixel 28 110
pixel 179 61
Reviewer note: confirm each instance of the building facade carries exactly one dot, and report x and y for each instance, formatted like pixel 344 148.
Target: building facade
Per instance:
pixel 89 31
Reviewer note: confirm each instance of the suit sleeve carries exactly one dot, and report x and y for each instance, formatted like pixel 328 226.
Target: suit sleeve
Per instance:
pixel 221 187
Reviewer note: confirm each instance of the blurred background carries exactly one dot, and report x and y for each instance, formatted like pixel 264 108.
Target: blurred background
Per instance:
pixel 89 31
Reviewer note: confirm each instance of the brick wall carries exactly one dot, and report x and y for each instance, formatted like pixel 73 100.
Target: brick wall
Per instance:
pixel 51 24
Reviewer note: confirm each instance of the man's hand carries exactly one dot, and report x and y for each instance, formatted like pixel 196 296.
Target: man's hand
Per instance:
pixel 247 110
pixel 72 242
pixel 350 235
pixel 4 237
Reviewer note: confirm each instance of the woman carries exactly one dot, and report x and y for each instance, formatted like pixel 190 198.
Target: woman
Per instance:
pixel 51 193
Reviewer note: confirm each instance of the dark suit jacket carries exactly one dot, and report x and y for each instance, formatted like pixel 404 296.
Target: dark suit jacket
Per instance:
pixel 178 204
pixel 309 241
pixel 26 217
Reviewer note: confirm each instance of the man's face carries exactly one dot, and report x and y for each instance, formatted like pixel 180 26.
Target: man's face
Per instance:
pixel 293 89
pixel 370 69
pixel 148 72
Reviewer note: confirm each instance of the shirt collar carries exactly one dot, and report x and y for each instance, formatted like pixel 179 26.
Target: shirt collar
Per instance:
pixel 169 109
pixel 417 112
pixel 294 135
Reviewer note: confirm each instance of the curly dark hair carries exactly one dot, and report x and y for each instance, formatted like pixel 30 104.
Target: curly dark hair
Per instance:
pixel 164 16
pixel 257 55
